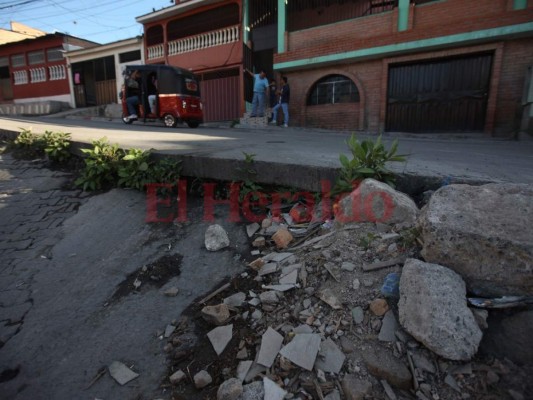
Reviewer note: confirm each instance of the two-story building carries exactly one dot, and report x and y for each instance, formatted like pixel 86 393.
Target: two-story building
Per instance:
pixel 377 65
pixel 33 69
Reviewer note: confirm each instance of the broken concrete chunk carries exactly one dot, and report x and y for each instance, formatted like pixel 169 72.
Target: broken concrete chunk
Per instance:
pixel 272 390
pixel 202 379
pixel 216 315
pixel 358 315
pixel 348 266
pixel 328 297
pixel 389 327
pixel 268 269
pixel 216 238
pixel 270 345
pixel 433 309
pixel 220 337
pixel 302 350
pixel 259 241
pixel 290 278
pixel 281 288
pixel 235 300
pixel 121 373
pixel 252 229
pixel 330 357
pixel 242 369
pixel 277 257
pixel 270 297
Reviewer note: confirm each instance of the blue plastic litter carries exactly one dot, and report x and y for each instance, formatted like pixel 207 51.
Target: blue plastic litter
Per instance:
pixel 391 285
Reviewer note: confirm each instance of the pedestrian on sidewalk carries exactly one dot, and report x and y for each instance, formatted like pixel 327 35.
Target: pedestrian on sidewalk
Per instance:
pixel 260 92
pixel 274 97
pixel 284 98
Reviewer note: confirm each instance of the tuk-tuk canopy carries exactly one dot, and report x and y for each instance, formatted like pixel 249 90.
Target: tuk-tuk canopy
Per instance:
pixel 170 80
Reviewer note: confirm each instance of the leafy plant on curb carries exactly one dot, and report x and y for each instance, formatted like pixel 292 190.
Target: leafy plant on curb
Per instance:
pixel 57 146
pixel 369 160
pixel 134 170
pixel 101 165
pixel 249 185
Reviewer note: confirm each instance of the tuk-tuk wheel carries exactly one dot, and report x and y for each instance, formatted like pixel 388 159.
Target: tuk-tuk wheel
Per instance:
pixel 170 121
pixel 127 120
pixel 193 124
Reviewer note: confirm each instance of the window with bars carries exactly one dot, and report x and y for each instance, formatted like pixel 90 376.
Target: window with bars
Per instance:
pixel 57 72
pixel 20 77
pixel 37 75
pixel 55 54
pixel 333 89
pixel 18 60
pixel 36 57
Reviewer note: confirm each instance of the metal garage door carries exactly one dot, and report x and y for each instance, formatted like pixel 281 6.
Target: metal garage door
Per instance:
pixel 444 95
pixel 221 95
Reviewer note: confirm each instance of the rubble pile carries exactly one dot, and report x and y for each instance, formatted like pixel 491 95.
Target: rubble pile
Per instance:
pixel 337 311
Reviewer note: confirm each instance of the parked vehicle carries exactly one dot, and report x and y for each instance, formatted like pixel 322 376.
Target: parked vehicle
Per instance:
pixel 175 90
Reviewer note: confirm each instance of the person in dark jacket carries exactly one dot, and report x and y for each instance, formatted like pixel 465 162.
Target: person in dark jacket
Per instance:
pixel 274 97
pixel 284 98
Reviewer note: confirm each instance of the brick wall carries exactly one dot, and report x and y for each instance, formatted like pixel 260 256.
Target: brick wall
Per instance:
pixel 426 21
pixel 511 59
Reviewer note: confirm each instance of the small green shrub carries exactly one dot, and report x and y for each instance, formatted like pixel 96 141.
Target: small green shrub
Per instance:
pixel 101 165
pixel 368 161
pixel 166 170
pixel 56 146
pixel 134 170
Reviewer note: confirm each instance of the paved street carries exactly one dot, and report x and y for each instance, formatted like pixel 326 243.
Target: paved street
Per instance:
pixel 68 307
pixel 302 156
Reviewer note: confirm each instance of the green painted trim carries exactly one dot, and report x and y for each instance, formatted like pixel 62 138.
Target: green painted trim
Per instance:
pixel 245 20
pixel 281 26
pixel 403 15
pixel 418 45
pixel 520 4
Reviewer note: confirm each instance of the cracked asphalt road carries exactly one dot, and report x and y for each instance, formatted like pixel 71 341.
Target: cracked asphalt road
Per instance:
pixel 63 254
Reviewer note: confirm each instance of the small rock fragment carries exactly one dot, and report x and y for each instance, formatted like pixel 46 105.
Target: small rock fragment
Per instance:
pixel 230 390
pixel 379 307
pixel 282 238
pixel 171 292
pixel 177 377
pixel 202 379
pixel 328 297
pixel 216 315
pixel 330 357
pixel 252 229
pixel 355 388
pixel 216 238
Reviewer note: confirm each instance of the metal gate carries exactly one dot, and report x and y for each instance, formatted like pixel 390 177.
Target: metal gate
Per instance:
pixel 444 95
pixel 221 95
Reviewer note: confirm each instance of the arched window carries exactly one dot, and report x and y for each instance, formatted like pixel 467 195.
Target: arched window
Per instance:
pixel 333 89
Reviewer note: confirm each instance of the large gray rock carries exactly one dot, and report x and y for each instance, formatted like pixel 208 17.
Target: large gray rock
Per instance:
pixel 433 309
pixel 375 201
pixel 484 234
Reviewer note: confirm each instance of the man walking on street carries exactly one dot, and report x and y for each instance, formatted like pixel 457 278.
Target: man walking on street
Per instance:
pixel 260 92
pixel 284 98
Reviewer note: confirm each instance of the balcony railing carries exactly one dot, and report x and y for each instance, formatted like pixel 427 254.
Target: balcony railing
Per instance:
pixel 157 51
pixel 204 40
